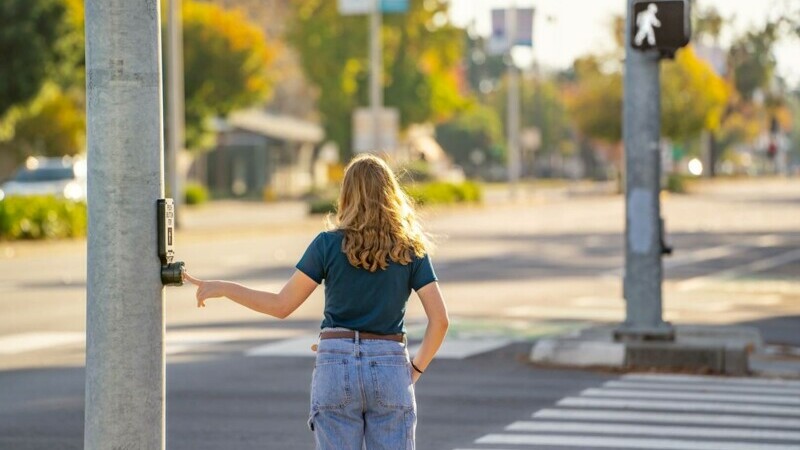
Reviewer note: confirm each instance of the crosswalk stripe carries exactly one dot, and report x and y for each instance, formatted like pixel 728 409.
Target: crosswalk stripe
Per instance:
pixel 653 430
pixel 721 381
pixel 735 398
pixel 464 348
pixel 624 442
pixel 678 406
pixel 657 417
pixel 703 387
pixel 27 342
pixel 299 346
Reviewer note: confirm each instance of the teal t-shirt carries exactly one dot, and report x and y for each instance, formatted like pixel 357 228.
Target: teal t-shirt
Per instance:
pixel 355 298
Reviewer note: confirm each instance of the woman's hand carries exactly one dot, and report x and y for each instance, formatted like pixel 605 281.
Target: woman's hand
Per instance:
pixel 205 289
pixel 414 376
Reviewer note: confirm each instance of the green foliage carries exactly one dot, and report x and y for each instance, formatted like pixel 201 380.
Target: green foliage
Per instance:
pixel 477 128
pixel 226 62
pixel 752 60
pixel 439 192
pixel 322 206
pixel 677 183
pixel 421 54
pixel 195 194
pixel 414 171
pixel 595 104
pixel 29 36
pixel 52 124
pixel 44 217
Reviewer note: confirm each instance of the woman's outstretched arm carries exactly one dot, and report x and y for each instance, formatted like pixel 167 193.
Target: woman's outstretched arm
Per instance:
pixel 279 305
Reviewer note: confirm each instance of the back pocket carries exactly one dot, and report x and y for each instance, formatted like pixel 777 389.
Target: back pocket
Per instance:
pixel 391 378
pixel 330 384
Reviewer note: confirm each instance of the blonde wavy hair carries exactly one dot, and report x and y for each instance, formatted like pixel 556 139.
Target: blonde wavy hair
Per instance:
pixel 377 217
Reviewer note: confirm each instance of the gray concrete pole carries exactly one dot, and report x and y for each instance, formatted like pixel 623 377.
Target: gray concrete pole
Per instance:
pixel 376 73
pixel 513 112
pixel 642 133
pixel 175 104
pixel 124 405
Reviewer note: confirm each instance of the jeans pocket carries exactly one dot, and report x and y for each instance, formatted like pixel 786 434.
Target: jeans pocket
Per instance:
pixel 330 385
pixel 391 379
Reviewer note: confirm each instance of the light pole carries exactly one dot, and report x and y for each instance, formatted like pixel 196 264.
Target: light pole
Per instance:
pixel 124 404
pixel 376 71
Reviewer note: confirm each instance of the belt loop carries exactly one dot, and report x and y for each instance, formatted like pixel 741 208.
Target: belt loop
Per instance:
pixel 357 342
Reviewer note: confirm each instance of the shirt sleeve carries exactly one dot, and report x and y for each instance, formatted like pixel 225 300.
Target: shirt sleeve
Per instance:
pixel 312 263
pixel 422 273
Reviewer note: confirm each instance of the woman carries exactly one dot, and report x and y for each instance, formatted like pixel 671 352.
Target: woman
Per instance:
pixel 362 388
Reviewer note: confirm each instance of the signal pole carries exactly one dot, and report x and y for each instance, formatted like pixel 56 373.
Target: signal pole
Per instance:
pixel 643 233
pixel 124 405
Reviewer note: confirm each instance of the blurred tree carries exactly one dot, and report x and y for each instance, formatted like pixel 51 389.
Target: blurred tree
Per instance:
pixel 421 56
pixel 595 101
pixel 226 61
pixel 30 34
pixel 472 138
pixel 52 124
pixel 693 96
pixel 752 59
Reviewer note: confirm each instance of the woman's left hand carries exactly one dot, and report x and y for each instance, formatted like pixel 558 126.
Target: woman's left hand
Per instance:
pixel 205 289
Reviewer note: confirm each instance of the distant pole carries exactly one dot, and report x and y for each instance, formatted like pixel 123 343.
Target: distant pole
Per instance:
pixel 376 71
pixel 124 399
pixel 175 109
pixel 642 135
pixel 513 104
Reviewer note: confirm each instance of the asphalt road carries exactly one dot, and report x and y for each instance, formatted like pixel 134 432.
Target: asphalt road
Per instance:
pixel 509 271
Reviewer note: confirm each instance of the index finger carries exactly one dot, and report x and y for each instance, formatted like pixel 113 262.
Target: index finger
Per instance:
pixel 191 279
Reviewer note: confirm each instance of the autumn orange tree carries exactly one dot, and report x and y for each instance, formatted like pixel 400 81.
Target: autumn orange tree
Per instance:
pixel 226 66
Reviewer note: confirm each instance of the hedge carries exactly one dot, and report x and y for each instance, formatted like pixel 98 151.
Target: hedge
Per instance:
pixel 41 217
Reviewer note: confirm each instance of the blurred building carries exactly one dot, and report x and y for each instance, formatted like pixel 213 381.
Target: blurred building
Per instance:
pixel 260 155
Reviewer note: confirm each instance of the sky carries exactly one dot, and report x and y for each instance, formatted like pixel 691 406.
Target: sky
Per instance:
pixel 566 29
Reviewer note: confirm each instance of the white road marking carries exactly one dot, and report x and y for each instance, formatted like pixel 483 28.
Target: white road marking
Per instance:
pixel 653 430
pixel 703 387
pixel 28 342
pixel 736 272
pixel 299 346
pixel 720 381
pixel 656 417
pixel 584 402
pixel 734 398
pixel 623 442
pixel 464 348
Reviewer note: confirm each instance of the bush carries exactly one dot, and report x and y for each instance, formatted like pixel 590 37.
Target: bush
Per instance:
pixel 440 192
pixel 195 194
pixel 41 217
pixel 322 206
pixel 677 183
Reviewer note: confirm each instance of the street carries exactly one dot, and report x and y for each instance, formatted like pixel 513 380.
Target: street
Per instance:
pixel 510 272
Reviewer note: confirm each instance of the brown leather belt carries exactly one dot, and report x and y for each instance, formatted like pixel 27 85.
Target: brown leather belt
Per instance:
pixel 352 334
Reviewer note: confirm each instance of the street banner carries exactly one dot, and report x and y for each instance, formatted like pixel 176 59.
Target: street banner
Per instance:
pixel 356 7
pixel 364 136
pixel 498 42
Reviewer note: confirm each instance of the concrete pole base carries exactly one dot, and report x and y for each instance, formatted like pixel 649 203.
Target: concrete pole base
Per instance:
pixel 663 332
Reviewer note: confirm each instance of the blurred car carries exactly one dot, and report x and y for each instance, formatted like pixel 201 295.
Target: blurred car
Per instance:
pixel 61 177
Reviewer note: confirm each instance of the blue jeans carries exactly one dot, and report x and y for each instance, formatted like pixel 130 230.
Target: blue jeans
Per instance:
pixel 362 396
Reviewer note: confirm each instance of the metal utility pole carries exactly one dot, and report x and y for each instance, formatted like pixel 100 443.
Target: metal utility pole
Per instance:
pixel 513 112
pixel 376 72
pixel 124 405
pixel 643 229
pixel 175 103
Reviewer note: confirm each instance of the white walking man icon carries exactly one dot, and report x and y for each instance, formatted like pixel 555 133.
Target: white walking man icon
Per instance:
pixel 647 22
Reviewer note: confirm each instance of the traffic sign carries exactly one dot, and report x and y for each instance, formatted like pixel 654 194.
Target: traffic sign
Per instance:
pixel 664 25
pixel 355 7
